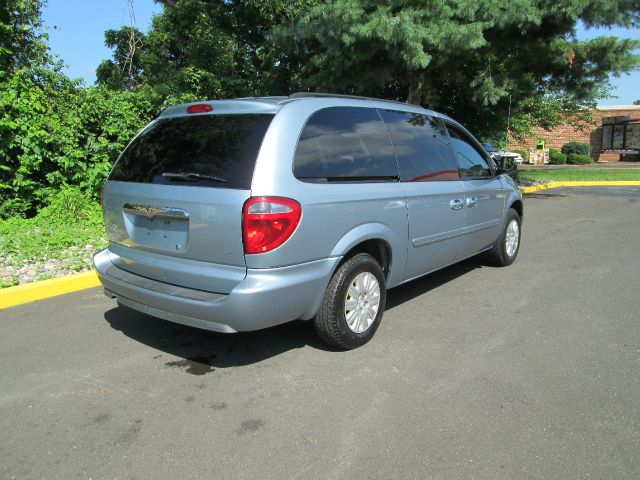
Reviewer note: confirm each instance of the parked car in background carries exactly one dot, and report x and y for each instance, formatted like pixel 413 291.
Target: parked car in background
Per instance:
pixel 241 214
pixel 495 152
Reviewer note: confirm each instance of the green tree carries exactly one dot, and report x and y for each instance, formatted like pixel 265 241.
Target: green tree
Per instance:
pixel 22 42
pixel 206 49
pixel 472 60
pixel 124 70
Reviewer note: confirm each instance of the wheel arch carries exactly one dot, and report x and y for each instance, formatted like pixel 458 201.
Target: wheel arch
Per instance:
pixel 379 241
pixel 518 206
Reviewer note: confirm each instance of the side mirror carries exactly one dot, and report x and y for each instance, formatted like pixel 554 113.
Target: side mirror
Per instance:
pixel 505 164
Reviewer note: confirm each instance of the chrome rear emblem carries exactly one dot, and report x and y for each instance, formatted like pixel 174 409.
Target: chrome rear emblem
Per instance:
pixel 150 211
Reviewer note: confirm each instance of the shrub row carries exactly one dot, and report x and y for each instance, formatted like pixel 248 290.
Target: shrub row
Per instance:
pixel 577 159
pixel 573 153
pixel 559 158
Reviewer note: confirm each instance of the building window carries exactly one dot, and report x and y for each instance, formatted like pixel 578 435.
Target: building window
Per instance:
pixel 620 133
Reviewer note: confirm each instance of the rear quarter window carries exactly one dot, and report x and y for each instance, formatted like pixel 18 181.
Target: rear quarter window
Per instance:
pixel 171 151
pixel 345 144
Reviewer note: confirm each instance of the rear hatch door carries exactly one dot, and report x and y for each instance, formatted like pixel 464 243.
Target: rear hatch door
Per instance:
pixel 173 202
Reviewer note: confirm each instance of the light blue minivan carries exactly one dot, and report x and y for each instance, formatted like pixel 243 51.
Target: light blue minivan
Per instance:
pixel 237 215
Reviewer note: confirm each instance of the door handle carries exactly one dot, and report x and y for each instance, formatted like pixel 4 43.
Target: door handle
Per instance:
pixel 456 204
pixel 472 201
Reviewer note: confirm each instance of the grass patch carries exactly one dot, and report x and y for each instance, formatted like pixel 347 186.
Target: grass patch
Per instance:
pixel 60 239
pixel 582 174
pixel 43 237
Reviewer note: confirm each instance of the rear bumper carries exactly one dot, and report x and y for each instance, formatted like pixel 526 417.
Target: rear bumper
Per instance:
pixel 266 297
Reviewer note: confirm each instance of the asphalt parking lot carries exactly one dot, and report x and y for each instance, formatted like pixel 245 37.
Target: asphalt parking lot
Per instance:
pixel 530 371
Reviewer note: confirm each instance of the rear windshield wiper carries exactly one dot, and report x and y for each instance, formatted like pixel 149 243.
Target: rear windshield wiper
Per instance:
pixel 193 176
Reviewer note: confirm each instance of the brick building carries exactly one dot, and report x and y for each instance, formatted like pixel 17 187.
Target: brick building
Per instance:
pixel 615 135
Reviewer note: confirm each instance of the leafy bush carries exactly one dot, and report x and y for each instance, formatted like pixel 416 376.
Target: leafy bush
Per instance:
pixel 556 157
pixel 579 148
pixel 577 159
pixel 72 205
pixel 522 153
pixel 54 132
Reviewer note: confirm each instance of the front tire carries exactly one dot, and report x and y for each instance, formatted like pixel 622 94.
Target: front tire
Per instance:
pixel 505 250
pixel 353 303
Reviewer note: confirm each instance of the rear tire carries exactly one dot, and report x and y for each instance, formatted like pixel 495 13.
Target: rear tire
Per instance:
pixel 353 303
pixel 505 250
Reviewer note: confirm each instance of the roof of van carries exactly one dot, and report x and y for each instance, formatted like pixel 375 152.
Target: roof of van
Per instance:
pixel 268 104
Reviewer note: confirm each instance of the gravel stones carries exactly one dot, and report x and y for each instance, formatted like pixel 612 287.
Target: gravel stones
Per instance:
pixel 15 271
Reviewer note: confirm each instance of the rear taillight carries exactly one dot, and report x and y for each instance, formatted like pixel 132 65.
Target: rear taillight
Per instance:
pixel 268 222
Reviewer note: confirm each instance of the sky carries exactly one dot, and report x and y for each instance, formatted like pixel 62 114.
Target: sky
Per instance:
pixel 76 30
pixel 626 87
pixel 76 33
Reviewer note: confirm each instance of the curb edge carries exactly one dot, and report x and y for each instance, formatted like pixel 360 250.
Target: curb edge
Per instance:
pixel 30 292
pixel 546 186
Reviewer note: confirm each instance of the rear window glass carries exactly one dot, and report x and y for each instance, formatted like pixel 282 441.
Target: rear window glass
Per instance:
pixel 203 151
pixel 345 144
pixel 422 147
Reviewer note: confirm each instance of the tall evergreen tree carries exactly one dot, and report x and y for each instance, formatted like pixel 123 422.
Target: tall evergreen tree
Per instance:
pixel 473 59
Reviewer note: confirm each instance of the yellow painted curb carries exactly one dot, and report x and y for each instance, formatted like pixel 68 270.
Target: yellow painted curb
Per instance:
pixel 536 188
pixel 30 292
pixel 545 186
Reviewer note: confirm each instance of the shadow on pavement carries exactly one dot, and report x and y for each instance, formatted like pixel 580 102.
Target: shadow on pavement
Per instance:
pixel 422 285
pixel 203 351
